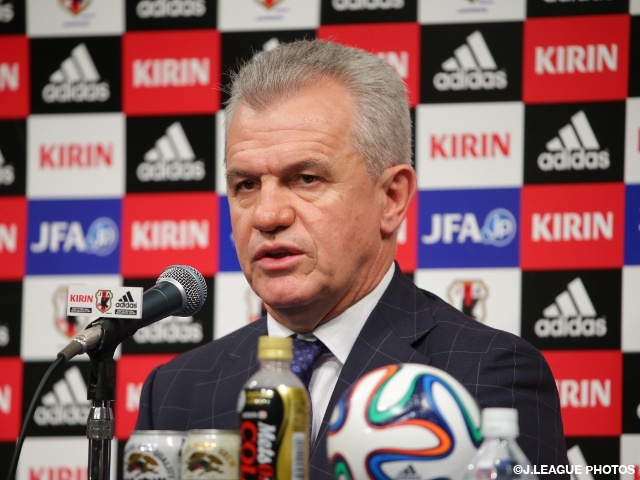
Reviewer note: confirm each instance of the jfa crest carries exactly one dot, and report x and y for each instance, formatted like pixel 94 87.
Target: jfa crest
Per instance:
pixel 103 300
pixel 470 297
pixel 75 6
pixel 269 3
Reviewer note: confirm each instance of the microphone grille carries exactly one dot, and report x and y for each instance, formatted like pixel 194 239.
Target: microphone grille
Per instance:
pixel 193 284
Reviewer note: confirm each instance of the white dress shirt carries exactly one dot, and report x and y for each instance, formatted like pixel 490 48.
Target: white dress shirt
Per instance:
pixel 339 335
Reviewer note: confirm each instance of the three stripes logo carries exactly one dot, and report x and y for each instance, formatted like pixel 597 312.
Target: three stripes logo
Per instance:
pixel 7 174
pixel 409 473
pixel 571 315
pixel 66 404
pixel 471 67
pixel 77 80
pixel 171 159
pixel 126 305
pixel 574 148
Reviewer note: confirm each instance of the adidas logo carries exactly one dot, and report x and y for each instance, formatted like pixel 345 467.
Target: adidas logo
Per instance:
pixel 171 159
pixel 126 301
pixel 408 473
pixel 471 67
pixel 571 315
pixel 77 80
pixel 575 148
pixel 66 404
pixel 7 174
pixel 171 8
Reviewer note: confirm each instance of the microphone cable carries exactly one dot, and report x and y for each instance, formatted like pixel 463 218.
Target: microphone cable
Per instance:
pixel 29 414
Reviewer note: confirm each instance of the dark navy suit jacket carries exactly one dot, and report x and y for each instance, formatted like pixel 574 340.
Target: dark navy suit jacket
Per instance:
pixel 199 389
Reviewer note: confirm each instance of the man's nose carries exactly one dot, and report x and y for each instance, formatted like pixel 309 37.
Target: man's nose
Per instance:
pixel 273 209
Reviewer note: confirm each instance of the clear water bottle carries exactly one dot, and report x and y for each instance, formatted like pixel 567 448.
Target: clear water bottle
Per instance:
pixel 499 456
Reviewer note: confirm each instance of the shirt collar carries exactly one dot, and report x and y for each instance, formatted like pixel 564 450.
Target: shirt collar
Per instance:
pixel 340 333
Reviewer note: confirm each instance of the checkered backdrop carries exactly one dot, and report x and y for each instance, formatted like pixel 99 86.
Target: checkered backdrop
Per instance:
pixel 527 149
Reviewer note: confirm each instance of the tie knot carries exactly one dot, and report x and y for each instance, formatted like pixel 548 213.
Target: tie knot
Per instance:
pixel 305 355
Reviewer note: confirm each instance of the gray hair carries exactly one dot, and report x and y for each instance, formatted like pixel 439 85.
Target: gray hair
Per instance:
pixel 381 134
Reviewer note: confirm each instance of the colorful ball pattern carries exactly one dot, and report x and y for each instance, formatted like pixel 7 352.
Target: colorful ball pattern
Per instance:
pixel 404 421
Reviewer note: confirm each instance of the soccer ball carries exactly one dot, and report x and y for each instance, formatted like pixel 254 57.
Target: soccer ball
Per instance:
pixel 404 422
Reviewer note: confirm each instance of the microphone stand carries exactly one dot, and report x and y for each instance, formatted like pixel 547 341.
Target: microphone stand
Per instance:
pixel 100 422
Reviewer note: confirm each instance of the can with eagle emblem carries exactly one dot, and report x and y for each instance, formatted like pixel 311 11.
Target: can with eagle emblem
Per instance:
pixel 211 455
pixel 153 455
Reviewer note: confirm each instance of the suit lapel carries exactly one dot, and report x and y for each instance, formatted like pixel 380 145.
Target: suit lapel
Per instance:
pixel 386 338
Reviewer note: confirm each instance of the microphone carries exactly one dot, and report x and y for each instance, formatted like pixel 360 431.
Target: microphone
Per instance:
pixel 180 290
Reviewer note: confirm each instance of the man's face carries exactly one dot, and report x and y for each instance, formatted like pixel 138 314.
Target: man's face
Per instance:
pixel 305 215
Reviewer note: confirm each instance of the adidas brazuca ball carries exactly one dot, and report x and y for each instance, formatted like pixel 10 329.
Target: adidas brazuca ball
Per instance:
pixel 404 422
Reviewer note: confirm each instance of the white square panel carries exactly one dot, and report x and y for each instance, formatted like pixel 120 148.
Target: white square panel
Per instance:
pixel 66 18
pixel 239 15
pixel 76 155
pixel 46 329
pixel 470 145
pixel 464 11
pixel 235 304
pixel 493 294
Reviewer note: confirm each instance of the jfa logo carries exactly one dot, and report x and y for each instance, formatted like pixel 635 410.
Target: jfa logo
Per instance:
pixel 70 236
pixel 469 228
pixel 499 228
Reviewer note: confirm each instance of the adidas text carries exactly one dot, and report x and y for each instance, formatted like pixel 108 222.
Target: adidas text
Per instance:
pixel 170 331
pixel 173 171
pixel 5 336
pixel 7 175
pixel 570 327
pixel 78 92
pixel 342 5
pixel 574 160
pixel 6 13
pixel 127 305
pixel 171 8
pixel 470 80
pixel 61 415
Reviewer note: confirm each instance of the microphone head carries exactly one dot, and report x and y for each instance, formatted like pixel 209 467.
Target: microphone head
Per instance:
pixel 193 284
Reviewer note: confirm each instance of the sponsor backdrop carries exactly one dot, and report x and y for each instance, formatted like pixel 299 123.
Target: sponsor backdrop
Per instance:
pixel 527 149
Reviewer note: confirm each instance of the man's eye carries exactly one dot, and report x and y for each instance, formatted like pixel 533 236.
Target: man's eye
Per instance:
pixel 308 178
pixel 246 185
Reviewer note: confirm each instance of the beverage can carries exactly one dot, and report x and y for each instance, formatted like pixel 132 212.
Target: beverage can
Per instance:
pixel 153 455
pixel 210 454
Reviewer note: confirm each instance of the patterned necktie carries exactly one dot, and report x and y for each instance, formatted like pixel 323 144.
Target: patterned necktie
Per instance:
pixel 305 355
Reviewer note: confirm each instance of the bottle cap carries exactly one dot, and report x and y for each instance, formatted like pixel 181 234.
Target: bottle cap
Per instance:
pixel 500 422
pixel 275 348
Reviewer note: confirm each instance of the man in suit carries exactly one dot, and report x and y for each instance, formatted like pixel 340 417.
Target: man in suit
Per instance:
pixel 319 179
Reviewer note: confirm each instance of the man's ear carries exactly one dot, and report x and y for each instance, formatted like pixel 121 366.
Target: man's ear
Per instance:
pixel 399 185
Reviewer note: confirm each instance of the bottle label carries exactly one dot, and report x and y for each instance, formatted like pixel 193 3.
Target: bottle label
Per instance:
pixel 274 434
